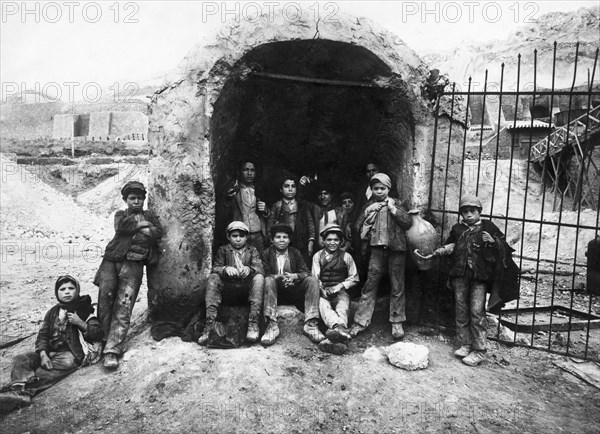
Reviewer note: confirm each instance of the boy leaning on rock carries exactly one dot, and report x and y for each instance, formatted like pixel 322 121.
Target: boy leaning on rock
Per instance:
pixel 135 244
pixel 237 275
pixel 474 248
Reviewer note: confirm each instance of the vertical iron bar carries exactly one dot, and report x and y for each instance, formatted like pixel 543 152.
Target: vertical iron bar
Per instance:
pixel 462 164
pixel 560 212
pixel 497 137
pixel 431 182
pixel 512 156
pixel 539 245
pixel 446 177
pixel 527 190
pixel 481 134
pixel 498 129
pixel 580 181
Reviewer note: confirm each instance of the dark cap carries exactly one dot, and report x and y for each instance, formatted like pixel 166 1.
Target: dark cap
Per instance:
pixel 281 228
pixel 132 186
pixel 332 228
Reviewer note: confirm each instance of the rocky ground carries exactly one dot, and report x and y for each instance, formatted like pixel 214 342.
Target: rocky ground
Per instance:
pixel 173 386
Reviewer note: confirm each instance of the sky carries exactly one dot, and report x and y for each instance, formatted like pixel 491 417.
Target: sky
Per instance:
pixel 77 43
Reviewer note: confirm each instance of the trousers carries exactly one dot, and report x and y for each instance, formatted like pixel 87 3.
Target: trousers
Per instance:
pixel 234 292
pixel 395 261
pixel 117 292
pixel 471 320
pixel 27 369
pixel 304 295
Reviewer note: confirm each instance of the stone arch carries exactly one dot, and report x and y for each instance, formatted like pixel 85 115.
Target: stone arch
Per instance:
pixel 191 141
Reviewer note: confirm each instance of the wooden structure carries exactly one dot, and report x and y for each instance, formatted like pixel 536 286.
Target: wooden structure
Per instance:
pixel 572 145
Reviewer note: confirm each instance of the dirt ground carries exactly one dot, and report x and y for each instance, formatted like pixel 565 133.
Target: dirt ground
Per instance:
pixel 172 386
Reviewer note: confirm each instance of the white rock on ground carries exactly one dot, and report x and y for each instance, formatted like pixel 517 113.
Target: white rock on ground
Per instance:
pixel 375 354
pixel 408 356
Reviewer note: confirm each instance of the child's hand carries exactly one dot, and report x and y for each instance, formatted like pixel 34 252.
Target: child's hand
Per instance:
pixel 245 272
pixel 304 180
pixel 261 206
pixel 487 237
pixel 424 256
pixel 335 289
pixel 231 272
pixel 46 363
pixel 74 319
pixel 311 247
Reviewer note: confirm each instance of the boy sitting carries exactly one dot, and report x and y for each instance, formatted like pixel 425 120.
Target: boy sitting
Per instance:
pixel 135 244
pixel 473 246
pixel 337 273
pixel 61 346
pixel 237 275
pixel 383 224
pixel 287 276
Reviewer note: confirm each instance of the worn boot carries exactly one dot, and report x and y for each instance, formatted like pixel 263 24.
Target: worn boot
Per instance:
pixel 253 332
pixel 111 361
pixel 463 351
pixel 474 358
pixel 397 331
pixel 338 334
pixel 13 400
pixel 337 348
pixel 356 329
pixel 271 333
pixel 311 329
pixel 203 339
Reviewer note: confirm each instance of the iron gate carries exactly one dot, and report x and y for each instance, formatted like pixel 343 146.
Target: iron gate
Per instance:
pixel 533 157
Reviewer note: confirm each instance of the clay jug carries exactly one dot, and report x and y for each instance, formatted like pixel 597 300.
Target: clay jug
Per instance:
pixel 422 236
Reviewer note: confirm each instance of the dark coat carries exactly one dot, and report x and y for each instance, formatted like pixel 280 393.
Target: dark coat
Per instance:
pixel 125 229
pixel 305 224
pixel 224 258
pixel 491 263
pixel 297 264
pixel 94 333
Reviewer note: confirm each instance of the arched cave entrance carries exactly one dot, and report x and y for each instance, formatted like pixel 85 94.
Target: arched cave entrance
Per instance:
pixel 311 107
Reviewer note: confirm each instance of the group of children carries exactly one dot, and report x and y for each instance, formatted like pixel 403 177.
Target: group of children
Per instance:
pixel 265 272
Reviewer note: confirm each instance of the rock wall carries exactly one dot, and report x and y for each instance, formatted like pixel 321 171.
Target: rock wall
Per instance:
pixel 188 156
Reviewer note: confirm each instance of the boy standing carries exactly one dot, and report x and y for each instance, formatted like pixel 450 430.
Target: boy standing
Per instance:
pixel 135 244
pixel 326 212
pixel 337 273
pixel 287 276
pixel 383 224
pixel 298 215
pixel 237 275
pixel 59 349
pixel 241 203
pixel 473 246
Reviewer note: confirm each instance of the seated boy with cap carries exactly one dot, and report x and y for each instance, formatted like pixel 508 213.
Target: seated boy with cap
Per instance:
pixel 135 244
pixel 337 273
pixel 288 277
pixel 237 275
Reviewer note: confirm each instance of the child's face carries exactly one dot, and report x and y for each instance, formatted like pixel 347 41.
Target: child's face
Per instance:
pixel 135 202
pixel 237 239
pixel 470 215
pixel 325 198
pixel 281 241
pixel 288 189
pixel 347 204
pixel 371 170
pixel 66 292
pixel 380 191
pixel 248 173
pixel 332 242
